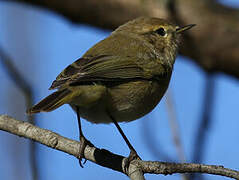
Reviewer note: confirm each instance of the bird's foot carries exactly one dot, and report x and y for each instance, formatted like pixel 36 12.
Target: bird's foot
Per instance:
pixel 132 156
pixel 83 143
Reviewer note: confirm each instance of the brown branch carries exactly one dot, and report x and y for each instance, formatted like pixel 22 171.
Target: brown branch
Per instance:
pixel 216 35
pixel 105 158
pixel 27 91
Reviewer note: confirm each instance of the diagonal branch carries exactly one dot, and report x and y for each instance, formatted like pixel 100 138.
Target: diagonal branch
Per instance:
pixel 105 158
pixel 203 130
pixel 15 75
pixel 174 126
pixel 152 143
pixel 206 121
pixel 27 91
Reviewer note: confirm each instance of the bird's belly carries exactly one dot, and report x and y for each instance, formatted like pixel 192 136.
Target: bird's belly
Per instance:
pixel 136 99
pixel 126 102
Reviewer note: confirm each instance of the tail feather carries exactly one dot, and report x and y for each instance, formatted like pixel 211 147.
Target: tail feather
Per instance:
pixel 51 102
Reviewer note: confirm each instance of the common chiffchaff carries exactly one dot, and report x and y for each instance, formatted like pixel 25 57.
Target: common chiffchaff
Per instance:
pixel 121 78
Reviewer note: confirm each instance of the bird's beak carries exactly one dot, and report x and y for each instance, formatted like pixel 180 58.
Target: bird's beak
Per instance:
pixel 184 28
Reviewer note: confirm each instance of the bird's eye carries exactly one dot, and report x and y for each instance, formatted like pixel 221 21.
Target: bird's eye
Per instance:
pixel 161 31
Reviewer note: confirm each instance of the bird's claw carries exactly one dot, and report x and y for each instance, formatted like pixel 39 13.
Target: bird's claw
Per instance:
pixel 83 143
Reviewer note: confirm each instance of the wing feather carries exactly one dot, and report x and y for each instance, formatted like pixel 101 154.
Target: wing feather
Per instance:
pixel 99 68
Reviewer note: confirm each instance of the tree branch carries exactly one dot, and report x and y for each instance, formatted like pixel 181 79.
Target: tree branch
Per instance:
pixel 216 35
pixel 27 91
pixel 174 126
pixel 105 158
pixel 205 123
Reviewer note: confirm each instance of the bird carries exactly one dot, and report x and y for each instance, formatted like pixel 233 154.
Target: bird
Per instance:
pixel 119 79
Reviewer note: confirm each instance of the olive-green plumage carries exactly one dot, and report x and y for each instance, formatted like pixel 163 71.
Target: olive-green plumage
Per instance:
pixel 124 75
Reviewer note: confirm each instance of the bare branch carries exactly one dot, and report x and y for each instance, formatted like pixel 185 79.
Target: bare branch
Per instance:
pixel 216 35
pixel 14 74
pixel 27 91
pixel 205 123
pixel 174 126
pixel 206 120
pixel 105 158
pixel 171 168
pixel 175 129
pixel 150 140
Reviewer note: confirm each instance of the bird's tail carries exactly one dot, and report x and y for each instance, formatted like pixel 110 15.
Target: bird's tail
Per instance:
pixel 52 101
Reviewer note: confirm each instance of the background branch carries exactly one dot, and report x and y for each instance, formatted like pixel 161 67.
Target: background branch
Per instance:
pixel 200 137
pixel 205 123
pixel 105 158
pixel 214 23
pixel 174 126
pixel 150 140
pixel 213 45
pixel 27 91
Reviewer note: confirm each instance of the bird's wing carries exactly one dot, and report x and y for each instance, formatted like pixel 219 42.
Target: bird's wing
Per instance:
pixel 100 68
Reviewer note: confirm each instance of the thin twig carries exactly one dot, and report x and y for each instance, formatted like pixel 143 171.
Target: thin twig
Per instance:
pixel 174 126
pixel 26 89
pixel 175 129
pixel 200 136
pixel 206 121
pixel 153 144
pixel 103 157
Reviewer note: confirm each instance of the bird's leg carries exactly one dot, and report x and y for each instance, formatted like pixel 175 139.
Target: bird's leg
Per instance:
pixel 83 141
pixel 133 154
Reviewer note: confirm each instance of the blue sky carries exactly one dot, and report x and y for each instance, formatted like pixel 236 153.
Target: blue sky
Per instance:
pixel 42 44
